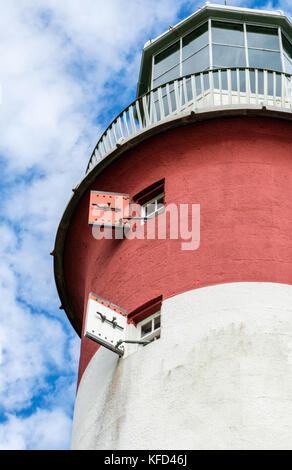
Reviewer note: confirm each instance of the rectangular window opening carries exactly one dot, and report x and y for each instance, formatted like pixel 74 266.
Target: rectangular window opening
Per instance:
pixel 227 33
pixel 146 328
pixel 153 207
pixel 262 37
pixel 149 329
pixel 151 199
pixel 147 320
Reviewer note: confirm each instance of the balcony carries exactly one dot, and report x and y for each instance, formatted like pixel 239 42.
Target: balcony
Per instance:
pixel 199 93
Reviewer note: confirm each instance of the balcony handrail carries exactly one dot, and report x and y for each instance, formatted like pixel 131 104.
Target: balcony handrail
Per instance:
pixel 216 88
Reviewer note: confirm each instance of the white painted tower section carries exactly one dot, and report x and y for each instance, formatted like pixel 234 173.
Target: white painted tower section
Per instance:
pixel 220 377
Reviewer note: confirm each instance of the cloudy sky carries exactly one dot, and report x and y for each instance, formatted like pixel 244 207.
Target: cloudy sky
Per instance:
pixel 67 68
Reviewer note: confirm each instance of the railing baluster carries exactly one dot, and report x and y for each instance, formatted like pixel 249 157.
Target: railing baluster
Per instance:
pixel 132 120
pixel 274 88
pixel 176 94
pixel 105 143
pixel 185 92
pixel 283 90
pixel 153 108
pixel 102 146
pixel 180 92
pixel 109 138
pixel 126 123
pixel 211 86
pixel 194 88
pixel 120 128
pixel 145 109
pixel 96 155
pixel 247 82
pixel 238 85
pixel 229 86
pixel 168 98
pixel 160 102
pixel 115 131
pixel 202 84
pixel 137 105
pixel 265 87
pixel 220 86
pixel 256 77
pixel 100 150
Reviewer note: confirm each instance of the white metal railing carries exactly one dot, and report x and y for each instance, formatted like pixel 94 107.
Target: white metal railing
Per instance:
pixel 209 90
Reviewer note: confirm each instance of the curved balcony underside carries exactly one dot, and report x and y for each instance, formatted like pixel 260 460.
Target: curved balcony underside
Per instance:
pixel 200 93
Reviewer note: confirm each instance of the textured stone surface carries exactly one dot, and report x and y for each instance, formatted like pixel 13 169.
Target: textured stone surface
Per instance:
pixel 220 377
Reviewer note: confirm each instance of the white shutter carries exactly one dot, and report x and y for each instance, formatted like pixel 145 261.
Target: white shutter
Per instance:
pixel 105 323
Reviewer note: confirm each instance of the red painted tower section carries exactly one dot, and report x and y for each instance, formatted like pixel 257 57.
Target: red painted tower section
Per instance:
pixel 245 191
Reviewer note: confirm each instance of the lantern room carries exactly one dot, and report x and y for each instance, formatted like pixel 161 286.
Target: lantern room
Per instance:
pixel 217 37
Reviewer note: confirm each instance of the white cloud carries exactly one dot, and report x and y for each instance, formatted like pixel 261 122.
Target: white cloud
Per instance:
pixel 45 98
pixel 60 62
pixel 45 430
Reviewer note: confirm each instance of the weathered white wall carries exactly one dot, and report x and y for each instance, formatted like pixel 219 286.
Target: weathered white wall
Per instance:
pixel 220 377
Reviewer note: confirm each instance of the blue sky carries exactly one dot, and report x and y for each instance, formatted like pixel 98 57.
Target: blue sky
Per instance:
pixel 67 68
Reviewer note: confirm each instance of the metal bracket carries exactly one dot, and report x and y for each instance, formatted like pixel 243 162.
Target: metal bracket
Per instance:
pixel 132 342
pixel 107 208
pixel 113 322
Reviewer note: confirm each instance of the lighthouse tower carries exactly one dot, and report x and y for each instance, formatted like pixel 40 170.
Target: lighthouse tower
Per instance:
pixel 186 340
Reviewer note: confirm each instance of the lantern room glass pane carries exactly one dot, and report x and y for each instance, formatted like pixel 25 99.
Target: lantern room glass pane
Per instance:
pixel 172 74
pixel 227 33
pixel 263 38
pixel 264 59
pixel 288 65
pixel 287 46
pixel 166 59
pixel 228 56
pixel 194 41
pixel 197 62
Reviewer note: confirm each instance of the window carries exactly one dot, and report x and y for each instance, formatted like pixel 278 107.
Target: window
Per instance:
pixel 233 45
pixel 147 320
pixel 263 48
pixel 228 44
pixel 151 199
pixel 166 65
pixel 262 38
pixel 197 62
pixel 153 207
pixel 227 33
pixel 264 59
pixel 228 56
pixel 288 65
pixel 287 50
pixel 195 51
pixel 149 329
pixel 195 41
pixel 188 55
